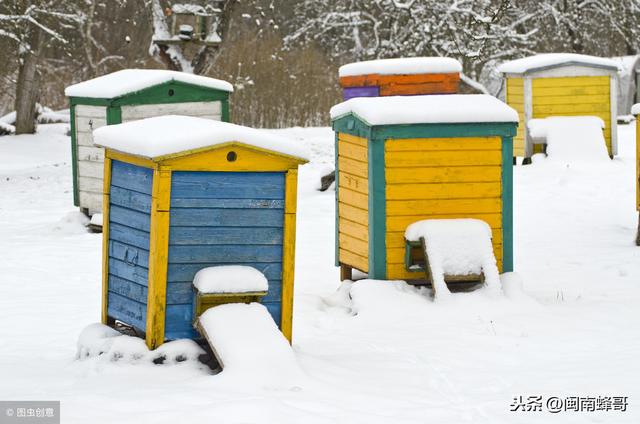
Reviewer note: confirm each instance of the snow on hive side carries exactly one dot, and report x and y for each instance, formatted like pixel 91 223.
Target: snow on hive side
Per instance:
pixel 230 279
pixel 409 65
pixel 457 247
pixel 128 81
pixel 635 109
pixel 166 135
pixel 445 108
pixel 532 63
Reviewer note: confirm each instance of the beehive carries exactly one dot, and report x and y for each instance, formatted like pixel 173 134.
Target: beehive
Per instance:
pixel 561 84
pixel 125 96
pixel 177 201
pixel 404 159
pixel 400 77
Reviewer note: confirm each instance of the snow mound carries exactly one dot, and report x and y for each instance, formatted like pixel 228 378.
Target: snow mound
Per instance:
pixel 443 108
pixel 457 247
pixel 571 138
pixel 532 63
pixel 230 279
pixel 249 345
pixel 166 135
pixel 407 65
pixel 6 129
pixel 96 219
pixel 128 81
pixel 100 341
pixel 635 109
pixel 72 223
pixel 377 299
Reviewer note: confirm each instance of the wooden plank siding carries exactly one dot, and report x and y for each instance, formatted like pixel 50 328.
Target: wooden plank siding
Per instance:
pixel 223 218
pixel 353 202
pixel 574 96
pixel 515 99
pixel 128 247
pixel 89 158
pixel 440 178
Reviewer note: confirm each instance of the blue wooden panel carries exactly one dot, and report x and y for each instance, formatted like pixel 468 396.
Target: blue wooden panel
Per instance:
pixel 130 199
pixel 224 254
pixel 179 293
pixel 227 185
pixel 186 272
pixel 181 334
pixel 228 203
pixel 130 218
pixel 129 254
pixel 275 291
pixel 128 289
pixel 224 235
pixel 129 272
pixel 127 310
pixel 227 217
pixel 179 318
pixel 136 178
pixel 129 236
pixel 275 309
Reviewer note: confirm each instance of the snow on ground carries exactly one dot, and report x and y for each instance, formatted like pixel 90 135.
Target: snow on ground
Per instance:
pixel 390 355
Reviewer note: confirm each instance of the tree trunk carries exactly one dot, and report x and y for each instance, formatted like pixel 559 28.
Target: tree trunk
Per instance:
pixel 27 87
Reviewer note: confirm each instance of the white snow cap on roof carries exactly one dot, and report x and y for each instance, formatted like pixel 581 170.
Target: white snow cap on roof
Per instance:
pixel 166 135
pixel 431 109
pixel 128 81
pixel 635 109
pixel 406 65
pixel 531 63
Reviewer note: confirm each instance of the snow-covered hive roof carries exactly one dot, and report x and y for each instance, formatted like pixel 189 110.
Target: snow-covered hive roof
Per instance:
pixel 430 109
pixel 129 81
pixel 404 66
pixel 553 60
pixel 157 137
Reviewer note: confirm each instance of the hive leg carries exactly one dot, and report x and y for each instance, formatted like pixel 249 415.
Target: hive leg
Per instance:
pixel 346 272
pixel 638 234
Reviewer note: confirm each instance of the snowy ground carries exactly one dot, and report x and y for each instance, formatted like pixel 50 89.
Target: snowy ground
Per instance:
pixel 401 359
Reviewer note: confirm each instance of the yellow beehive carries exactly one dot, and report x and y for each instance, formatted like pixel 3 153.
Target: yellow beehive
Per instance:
pixel 559 84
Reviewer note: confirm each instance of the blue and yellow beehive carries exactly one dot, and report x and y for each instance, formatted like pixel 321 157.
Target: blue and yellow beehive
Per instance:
pixel 182 194
pixel 404 159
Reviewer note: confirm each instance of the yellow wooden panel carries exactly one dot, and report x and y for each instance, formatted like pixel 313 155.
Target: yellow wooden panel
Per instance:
pixel 353 245
pixel 353 167
pixel 515 86
pixel 443 207
pixel 134 160
pixel 442 191
pixel 555 82
pixel 353 182
pixel 352 151
pixel 360 141
pixel 158 258
pixel 563 100
pixel 399 223
pixel 353 198
pixel 288 253
pixel 454 174
pixel 353 229
pixel 443 158
pixel 572 108
pixel 353 260
pixel 572 90
pixel 247 158
pixel 431 144
pixel 353 214
pixel 105 238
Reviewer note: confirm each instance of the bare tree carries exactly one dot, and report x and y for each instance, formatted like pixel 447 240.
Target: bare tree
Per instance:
pixel 31 26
